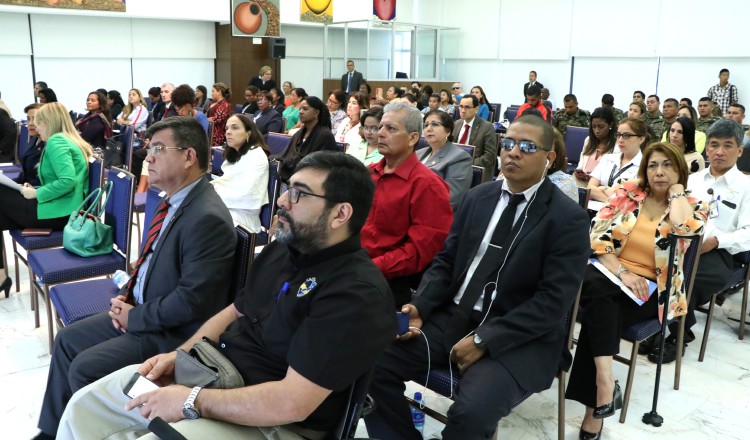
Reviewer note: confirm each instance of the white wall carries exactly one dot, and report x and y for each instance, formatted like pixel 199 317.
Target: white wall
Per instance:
pixel 75 54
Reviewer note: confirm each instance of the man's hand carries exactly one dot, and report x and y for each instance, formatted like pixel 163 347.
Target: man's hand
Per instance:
pixel 465 353
pixel 160 368
pixel 415 322
pixel 118 311
pixel 709 244
pixel 165 403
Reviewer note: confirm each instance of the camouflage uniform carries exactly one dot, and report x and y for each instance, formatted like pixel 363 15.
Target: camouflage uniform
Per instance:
pixel 619 114
pixel 704 124
pixel 655 122
pixel 563 119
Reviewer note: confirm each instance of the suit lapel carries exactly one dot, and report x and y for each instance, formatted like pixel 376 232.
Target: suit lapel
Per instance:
pixel 437 158
pixel 474 130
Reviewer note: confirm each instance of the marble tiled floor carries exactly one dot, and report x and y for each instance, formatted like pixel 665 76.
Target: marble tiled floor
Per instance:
pixel 713 402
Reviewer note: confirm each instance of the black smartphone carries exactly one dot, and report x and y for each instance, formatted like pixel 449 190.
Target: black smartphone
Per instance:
pixel 138 385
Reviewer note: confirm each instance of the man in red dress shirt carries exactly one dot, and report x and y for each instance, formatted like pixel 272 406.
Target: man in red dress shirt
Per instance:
pixel 411 212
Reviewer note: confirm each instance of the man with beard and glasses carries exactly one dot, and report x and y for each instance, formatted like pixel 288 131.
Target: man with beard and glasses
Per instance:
pixel 315 315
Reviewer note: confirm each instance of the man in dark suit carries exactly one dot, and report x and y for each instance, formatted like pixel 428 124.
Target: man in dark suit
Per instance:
pixel 166 97
pixel 351 80
pixel 532 82
pixel 181 281
pixel 266 118
pixel 471 130
pixel 494 300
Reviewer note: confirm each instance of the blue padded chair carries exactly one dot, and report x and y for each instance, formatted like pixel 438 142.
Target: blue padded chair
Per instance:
pixel 76 301
pixel 277 143
pixel 217 158
pixel 55 239
pixel 210 133
pixel 441 382
pixel 56 266
pixel 128 137
pixel 142 203
pixel 342 146
pixel 511 112
pixel 269 209
pixel 495 109
pixel 583 197
pixel 467 148
pixel 739 277
pixel 574 138
pixel 641 331
pixel 476 175
pixel 238 108
pixel 421 143
pixel 357 406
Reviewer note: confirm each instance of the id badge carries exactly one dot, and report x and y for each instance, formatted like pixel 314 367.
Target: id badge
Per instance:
pixel 713 209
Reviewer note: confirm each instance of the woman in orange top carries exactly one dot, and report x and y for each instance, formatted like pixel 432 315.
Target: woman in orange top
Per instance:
pixel 629 238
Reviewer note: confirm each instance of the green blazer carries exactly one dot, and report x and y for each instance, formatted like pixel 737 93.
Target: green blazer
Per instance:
pixel 64 175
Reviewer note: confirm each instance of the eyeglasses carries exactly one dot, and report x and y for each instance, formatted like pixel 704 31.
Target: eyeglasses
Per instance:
pixel 465 107
pixel 525 146
pixel 295 193
pixel 626 136
pixel 156 149
pixel 333 102
pixel 370 128
pixel 456 88
pixel 433 124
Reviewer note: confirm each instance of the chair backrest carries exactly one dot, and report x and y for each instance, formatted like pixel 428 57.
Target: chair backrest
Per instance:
pixel 238 108
pixel 243 257
pixel 118 212
pixel 269 209
pixel 511 112
pixel 689 259
pixel 341 146
pixel 22 144
pixel 96 173
pixel 277 143
pixel 495 112
pixel 357 394
pixel 477 173
pixel 153 199
pixel 217 158
pixel 574 137
pixel 583 197
pixel 421 143
pixel 467 148
pixel 128 136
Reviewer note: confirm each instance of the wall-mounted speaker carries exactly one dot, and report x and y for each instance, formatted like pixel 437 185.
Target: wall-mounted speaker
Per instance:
pixel 277 47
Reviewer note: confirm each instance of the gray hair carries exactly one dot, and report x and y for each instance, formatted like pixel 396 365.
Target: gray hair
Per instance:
pixel 413 119
pixel 725 128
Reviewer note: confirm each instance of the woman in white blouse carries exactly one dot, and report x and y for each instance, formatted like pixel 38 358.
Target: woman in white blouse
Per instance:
pixel 135 112
pixel 244 185
pixel 348 131
pixel 632 136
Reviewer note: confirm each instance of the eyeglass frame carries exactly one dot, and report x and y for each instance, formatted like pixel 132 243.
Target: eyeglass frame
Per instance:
pixel 156 149
pixel 294 194
pixel 524 149
pixel 626 136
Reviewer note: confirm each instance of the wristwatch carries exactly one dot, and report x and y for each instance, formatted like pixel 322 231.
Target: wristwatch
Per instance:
pixel 479 342
pixel 188 408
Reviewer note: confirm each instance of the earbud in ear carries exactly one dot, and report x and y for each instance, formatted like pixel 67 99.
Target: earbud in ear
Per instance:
pixel 547 164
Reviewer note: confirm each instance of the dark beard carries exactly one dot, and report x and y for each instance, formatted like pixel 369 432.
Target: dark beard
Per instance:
pixel 306 238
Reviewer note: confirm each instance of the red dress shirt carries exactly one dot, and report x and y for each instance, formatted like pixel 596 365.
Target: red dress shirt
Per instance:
pixel 409 219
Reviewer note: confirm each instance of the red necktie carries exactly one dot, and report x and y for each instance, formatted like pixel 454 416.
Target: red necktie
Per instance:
pixel 153 232
pixel 465 135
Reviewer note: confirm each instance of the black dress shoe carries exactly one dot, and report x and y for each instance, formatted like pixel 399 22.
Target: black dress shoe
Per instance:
pixel 720 298
pixel 6 286
pixel 604 411
pixel 43 436
pixel 670 352
pixel 648 344
pixel 585 435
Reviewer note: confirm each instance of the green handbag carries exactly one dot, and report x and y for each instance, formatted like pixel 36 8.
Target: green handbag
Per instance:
pixel 86 235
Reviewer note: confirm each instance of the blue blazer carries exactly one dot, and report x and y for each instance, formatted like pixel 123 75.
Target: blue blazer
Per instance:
pixel 453 165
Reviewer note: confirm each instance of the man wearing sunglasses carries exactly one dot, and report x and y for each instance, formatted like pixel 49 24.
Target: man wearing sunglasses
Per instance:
pixel 314 316
pixel 179 281
pixel 457 91
pixel 494 301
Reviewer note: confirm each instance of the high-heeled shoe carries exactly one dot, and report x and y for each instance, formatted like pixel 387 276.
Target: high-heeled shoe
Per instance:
pixel 6 286
pixel 604 411
pixel 585 435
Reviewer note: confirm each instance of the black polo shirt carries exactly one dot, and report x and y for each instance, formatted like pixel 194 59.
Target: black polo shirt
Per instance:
pixel 328 315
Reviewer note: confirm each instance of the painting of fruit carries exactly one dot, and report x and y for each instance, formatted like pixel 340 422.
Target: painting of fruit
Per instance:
pixel 384 9
pixel 98 5
pixel 316 11
pixel 255 18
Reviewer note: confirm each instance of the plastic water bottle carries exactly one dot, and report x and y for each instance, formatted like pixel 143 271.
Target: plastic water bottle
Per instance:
pixel 120 278
pixel 417 415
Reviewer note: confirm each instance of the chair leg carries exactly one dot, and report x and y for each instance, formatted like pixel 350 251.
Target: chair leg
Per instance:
pixel 629 383
pixel 561 404
pixel 35 291
pixel 678 362
pixel 707 329
pixel 31 288
pixel 50 327
pixel 18 272
pixel 743 311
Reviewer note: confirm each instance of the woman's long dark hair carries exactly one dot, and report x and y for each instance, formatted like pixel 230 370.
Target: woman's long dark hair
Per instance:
pixel 607 116
pixel 254 140
pixel 324 116
pixel 688 133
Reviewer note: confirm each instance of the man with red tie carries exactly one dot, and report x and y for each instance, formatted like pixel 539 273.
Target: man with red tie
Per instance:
pixel 179 281
pixel 471 130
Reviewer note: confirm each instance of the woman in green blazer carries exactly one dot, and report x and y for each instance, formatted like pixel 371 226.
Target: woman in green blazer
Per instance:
pixel 63 173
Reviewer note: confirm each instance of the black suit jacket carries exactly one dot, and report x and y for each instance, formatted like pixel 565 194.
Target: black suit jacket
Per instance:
pixel 525 329
pixel 157 112
pixel 270 121
pixel 257 82
pixel 357 80
pixel 189 273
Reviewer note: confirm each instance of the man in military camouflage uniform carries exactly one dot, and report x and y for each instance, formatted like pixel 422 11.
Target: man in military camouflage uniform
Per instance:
pixel 571 115
pixel 608 101
pixel 653 117
pixel 669 113
pixel 705 118
pixel 639 96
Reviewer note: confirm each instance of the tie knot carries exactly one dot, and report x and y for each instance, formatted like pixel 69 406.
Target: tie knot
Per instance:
pixel 515 199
